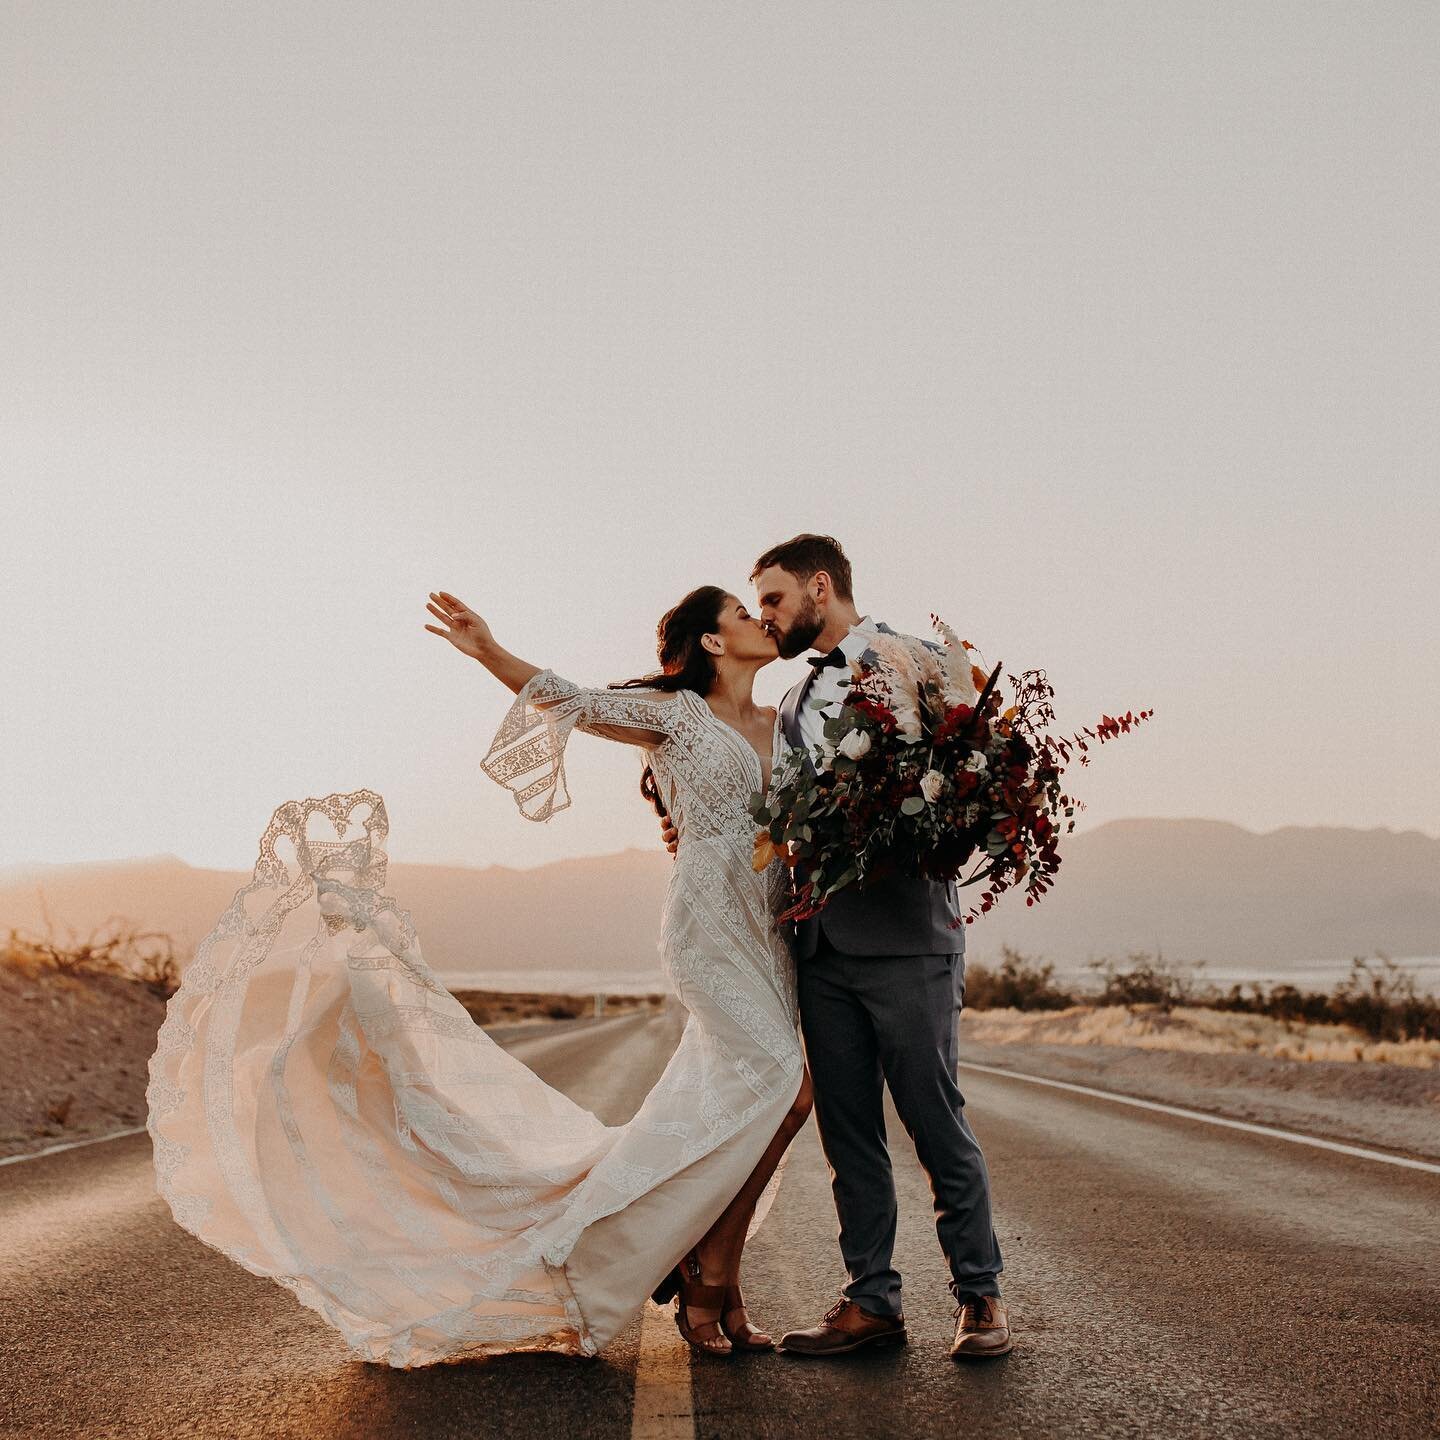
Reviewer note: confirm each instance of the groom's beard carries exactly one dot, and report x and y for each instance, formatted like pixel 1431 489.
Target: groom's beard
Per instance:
pixel 802 634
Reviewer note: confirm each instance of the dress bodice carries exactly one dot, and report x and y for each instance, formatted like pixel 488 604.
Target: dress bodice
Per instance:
pixel 708 774
pixel 706 770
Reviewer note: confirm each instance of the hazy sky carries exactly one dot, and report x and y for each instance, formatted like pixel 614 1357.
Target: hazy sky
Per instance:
pixel 1109 331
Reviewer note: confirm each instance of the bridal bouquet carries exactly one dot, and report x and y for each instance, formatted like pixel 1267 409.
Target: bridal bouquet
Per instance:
pixel 922 773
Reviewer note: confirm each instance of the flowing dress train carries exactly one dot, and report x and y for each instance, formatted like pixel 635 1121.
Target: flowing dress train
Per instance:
pixel 327 1114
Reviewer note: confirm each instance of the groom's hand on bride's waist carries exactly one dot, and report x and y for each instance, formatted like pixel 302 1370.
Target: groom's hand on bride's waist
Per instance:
pixel 669 834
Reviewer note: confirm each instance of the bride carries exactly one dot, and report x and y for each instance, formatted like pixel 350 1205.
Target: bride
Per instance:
pixel 327 1114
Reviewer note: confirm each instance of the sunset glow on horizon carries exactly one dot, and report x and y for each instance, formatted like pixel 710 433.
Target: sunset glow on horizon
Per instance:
pixel 1111 342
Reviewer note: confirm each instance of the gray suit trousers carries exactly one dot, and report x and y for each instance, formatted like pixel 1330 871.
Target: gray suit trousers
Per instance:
pixel 868 1018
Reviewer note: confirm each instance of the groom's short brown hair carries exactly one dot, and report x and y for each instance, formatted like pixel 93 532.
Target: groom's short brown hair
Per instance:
pixel 803 555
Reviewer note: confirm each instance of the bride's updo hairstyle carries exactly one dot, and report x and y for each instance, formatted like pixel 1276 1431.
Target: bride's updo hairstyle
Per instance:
pixel 685 664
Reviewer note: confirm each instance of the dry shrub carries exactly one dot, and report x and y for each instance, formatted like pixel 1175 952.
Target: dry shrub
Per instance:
pixel 1194 1030
pixel 1381 999
pixel 1147 980
pixel 115 947
pixel 505 1007
pixel 1020 983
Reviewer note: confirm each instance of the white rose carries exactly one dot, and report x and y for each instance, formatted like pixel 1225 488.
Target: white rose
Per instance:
pixel 977 762
pixel 931 784
pixel 854 745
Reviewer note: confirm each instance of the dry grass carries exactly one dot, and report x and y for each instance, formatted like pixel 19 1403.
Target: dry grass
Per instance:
pixel 507 1007
pixel 117 947
pixel 1196 1029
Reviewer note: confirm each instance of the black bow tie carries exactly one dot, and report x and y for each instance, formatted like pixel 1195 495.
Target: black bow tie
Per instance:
pixel 824 662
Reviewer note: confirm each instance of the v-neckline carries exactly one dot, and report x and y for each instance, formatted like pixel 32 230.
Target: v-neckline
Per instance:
pixel 744 740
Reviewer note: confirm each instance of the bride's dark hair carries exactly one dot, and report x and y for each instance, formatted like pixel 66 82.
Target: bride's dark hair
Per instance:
pixel 685 664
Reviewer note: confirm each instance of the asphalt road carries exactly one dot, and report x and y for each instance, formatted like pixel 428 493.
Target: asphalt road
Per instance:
pixel 1165 1278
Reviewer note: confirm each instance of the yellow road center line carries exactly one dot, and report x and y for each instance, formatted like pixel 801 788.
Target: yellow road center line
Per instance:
pixel 664 1409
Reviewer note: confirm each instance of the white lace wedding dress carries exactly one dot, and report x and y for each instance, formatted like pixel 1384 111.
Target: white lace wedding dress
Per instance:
pixel 327 1114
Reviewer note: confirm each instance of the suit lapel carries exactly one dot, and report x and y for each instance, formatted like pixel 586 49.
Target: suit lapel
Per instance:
pixel 790 709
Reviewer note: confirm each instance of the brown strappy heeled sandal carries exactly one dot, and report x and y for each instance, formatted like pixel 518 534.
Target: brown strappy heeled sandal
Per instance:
pixel 744 1335
pixel 698 1296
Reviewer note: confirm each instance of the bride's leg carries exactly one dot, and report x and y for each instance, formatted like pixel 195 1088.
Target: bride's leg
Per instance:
pixel 719 1251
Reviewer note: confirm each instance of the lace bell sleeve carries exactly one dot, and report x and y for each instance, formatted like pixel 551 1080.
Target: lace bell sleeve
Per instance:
pixel 527 755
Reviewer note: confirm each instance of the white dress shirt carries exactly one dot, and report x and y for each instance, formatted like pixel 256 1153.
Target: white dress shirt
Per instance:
pixel 831 683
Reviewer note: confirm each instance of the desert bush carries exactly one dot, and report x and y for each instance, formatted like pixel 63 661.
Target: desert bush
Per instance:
pixel 1144 980
pixel 159 969
pixel 113 948
pixel 1384 1002
pixel 1020 983
pixel 1378 997
pixel 504 1007
pixel 1280 1002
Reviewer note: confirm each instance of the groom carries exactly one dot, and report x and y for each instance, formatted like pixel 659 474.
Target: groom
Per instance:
pixel 881 975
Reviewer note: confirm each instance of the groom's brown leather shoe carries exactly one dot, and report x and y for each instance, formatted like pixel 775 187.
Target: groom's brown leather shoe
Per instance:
pixel 982 1327
pixel 845 1327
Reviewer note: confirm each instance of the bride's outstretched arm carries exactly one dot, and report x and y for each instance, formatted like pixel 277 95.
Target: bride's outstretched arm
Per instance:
pixel 527 754
pixel 471 636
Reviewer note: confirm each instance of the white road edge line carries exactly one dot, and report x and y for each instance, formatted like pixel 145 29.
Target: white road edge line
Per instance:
pixel 664 1409
pixel 1269 1130
pixel 71 1145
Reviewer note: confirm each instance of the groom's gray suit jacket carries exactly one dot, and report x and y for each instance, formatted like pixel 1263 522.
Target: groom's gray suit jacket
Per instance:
pixel 895 915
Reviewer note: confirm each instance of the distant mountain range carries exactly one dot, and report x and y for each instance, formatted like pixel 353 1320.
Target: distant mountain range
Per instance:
pixel 1200 890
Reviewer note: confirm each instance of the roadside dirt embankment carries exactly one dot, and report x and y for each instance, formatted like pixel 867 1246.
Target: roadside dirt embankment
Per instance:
pixel 1325 1080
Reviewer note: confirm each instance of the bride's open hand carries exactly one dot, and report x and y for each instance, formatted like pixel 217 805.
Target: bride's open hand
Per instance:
pixel 465 630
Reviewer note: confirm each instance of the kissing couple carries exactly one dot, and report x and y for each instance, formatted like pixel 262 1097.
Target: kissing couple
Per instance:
pixel 326 1113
